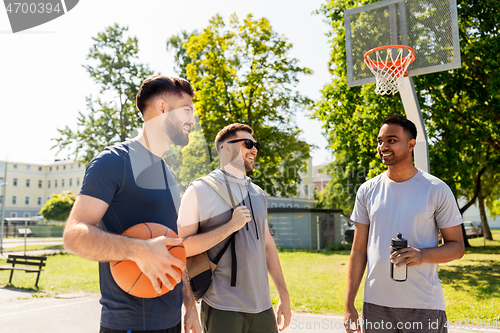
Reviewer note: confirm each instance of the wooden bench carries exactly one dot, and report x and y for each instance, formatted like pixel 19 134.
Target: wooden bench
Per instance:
pixel 24 261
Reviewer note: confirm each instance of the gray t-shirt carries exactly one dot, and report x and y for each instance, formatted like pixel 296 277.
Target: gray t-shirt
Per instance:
pixel 251 293
pixel 416 208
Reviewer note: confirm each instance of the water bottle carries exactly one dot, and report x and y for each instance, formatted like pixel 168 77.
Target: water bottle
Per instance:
pixel 398 274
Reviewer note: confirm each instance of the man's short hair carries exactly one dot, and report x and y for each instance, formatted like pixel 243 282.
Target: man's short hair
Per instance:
pixel 229 132
pixel 157 85
pixel 398 119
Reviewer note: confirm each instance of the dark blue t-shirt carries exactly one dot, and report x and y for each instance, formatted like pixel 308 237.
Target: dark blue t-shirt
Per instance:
pixel 139 187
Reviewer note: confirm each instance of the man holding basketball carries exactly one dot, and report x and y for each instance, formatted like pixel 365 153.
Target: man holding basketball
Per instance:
pixel 416 204
pixel 238 299
pixel 127 184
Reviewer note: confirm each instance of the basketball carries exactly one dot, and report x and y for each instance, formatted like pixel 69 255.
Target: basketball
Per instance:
pixel 127 274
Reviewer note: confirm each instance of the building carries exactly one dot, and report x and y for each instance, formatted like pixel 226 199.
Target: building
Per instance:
pixel 28 186
pixel 320 177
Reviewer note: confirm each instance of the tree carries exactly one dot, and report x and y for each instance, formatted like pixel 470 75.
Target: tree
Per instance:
pixel 460 109
pixel 243 72
pixel 116 68
pixel 58 206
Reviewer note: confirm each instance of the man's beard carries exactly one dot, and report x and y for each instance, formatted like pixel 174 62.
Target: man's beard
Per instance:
pixel 249 166
pixel 173 128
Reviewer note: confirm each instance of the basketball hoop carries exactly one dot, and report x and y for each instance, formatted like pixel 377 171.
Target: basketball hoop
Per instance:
pixel 389 65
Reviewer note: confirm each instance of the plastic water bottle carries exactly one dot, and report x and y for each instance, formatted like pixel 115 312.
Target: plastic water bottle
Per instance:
pixel 398 274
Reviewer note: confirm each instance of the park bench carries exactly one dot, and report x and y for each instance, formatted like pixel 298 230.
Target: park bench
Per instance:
pixel 24 261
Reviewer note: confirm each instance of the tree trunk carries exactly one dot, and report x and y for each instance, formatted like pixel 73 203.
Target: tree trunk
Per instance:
pixel 484 219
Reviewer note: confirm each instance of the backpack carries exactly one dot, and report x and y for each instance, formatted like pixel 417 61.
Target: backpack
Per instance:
pixel 200 268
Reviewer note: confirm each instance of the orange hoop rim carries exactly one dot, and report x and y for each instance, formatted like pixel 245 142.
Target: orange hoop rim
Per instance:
pixel 387 64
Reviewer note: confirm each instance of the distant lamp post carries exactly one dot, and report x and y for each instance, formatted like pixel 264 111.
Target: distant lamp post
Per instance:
pixel 2 216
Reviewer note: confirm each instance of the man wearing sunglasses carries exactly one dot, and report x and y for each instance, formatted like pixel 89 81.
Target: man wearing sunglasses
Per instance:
pixel 238 300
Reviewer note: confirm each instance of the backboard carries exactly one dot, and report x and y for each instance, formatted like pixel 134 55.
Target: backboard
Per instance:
pixel 430 27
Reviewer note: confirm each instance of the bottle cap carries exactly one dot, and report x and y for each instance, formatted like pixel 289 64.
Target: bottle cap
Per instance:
pixel 399 241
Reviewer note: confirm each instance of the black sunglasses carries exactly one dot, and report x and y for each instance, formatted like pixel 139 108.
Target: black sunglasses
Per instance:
pixel 249 144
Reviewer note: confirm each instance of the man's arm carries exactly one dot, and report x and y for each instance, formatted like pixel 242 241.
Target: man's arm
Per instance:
pixel 189 220
pixel 283 312
pixel 357 265
pixel 452 249
pixel 191 320
pixel 82 237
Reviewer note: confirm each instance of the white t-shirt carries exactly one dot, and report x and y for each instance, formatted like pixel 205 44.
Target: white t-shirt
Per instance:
pixel 416 208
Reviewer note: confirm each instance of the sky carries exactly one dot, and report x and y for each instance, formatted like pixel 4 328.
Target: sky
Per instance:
pixel 43 84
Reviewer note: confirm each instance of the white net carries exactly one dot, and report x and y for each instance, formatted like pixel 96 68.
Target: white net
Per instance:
pixel 389 65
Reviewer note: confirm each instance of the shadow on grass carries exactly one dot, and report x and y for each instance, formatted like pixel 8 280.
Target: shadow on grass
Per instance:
pixel 12 287
pixel 482 278
pixel 483 250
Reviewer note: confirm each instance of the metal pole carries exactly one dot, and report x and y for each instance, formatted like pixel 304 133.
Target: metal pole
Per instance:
pixel 25 233
pixel 317 227
pixel 3 207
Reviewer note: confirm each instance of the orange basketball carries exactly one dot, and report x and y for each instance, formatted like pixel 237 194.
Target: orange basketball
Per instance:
pixel 127 274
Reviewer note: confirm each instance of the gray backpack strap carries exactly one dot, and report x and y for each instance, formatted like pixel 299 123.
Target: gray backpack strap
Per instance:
pixel 220 189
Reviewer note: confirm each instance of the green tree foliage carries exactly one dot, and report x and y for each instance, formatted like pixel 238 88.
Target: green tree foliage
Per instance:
pixel 460 109
pixel 58 206
pixel 116 68
pixel 243 72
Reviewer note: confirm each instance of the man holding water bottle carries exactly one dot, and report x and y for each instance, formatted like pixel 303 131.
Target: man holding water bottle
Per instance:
pixel 403 205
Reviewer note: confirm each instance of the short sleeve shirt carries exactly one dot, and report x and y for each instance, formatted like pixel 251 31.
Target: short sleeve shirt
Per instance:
pixel 138 187
pixel 416 208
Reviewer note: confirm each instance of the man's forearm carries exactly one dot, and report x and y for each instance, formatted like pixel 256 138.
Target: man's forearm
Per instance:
pixel 449 251
pixel 187 295
pixel 90 242
pixel 275 271
pixel 199 243
pixel 357 264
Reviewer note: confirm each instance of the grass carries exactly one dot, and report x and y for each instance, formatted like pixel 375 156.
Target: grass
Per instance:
pixel 316 281
pixel 33 248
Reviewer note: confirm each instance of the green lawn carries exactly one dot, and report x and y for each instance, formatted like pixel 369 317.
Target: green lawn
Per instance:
pixel 316 281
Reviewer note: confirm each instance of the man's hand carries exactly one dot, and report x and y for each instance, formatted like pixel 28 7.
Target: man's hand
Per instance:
pixel 155 261
pixel 408 256
pixel 241 216
pixel 351 320
pixel 191 321
pixel 283 314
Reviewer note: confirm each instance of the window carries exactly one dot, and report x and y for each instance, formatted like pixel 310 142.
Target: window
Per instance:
pixel 39 201
pixel 50 169
pixel 289 206
pixel 71 166
pixel 71 182
pixel 1 181
pixel 27 183
pixel 296 206
pixel 39 168
pixel 40 183
pixel 64 167
pixel 79 165
pixel 1 200
pixel 62 182
pixel 27 201
pixel 307 206
pixel 15 166
pixel 14 182
pixel 1 165
pixel 78 181
pixel 282 205
pixel 14 199
pixel 27 215
pixel 13 214
pixel 57 167
pixel 306 189
pixel 273 205
pixel 55 183
pixel 48 184
pixel 27 167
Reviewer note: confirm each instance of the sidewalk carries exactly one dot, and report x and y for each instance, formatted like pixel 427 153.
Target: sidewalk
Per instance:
pixel 79 313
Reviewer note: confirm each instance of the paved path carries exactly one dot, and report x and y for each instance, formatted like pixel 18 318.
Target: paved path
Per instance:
pixel 79 313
